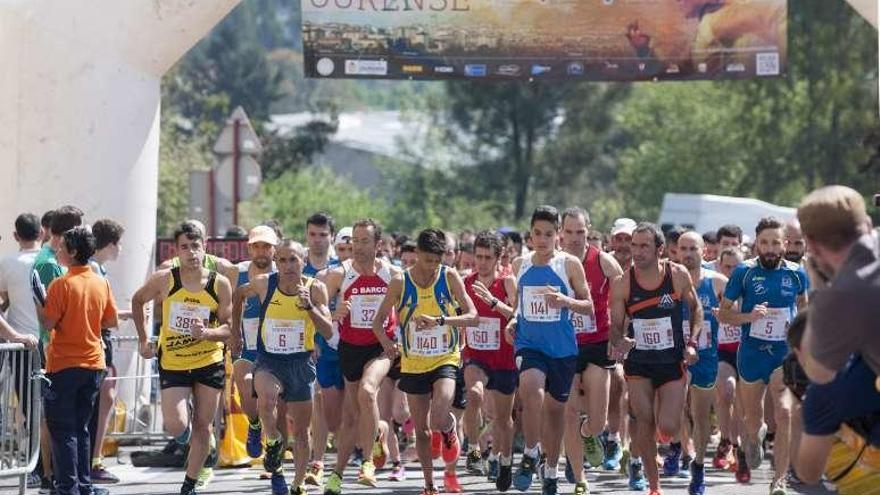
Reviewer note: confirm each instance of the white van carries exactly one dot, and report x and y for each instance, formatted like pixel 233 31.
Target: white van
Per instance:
pixel 707 212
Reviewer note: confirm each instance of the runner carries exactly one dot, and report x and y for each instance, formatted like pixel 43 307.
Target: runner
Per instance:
pixel 330 384
pixel 551 286
pixel 704 373
pixel 593 379
pixel 262 242
pixel 726 405
pixel 196 305
pixel 427 296
pixel 795 245
pixel 360 284
pixel 621 241
pixel 488 361
pixel 710 240
pixel 408 255
pixel 654 343
pixel 772 290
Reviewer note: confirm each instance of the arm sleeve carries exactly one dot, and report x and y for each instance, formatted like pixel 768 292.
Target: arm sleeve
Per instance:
pixel 840 321
pixel 55 301
pixel 733 291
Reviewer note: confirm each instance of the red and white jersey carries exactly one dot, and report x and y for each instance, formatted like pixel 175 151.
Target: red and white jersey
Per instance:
pixel 365 293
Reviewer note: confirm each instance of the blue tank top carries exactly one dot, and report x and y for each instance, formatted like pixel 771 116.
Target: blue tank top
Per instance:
pixel 778 287
pixel 708 339
pixel 540 327
pixel 327 352
pixel 250 320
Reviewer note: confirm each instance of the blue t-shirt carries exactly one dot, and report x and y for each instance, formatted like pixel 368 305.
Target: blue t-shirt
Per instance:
pixel 778 287
pixel 327 352
pixel 540 327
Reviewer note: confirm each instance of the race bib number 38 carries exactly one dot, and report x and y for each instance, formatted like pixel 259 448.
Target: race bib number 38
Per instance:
pixel 285 336
pixel 364 309
pixel 184 315
pixel 653 334
pixel 772 327
pixel 535 307
pixel 485 337
pixel 430 342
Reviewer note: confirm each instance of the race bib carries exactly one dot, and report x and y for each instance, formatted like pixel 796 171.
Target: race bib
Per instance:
pixel 653 334
pixel 250 327
pixel 704 340
pixel 364 309
pixel 583 323
pixel 729 334
pixel 486 336
pixel 334 340
pixel 430 342
pixel 184 315
pixel 772 327
pixel 535 307
pixel 285 336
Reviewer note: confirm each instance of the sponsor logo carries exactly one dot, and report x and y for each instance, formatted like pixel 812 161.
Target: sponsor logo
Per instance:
pixel 366 67
pixel 325 66
pixel 412 69
pixel 369 290
pixel 787 282
pixel 539 70
pixel 475 70
pixel 510 70
pixel 191 300
pixel 575 69
pixel 444 69
pixel 666 302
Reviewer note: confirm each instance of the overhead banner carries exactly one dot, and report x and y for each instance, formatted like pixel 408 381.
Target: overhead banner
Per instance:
pixel 600 40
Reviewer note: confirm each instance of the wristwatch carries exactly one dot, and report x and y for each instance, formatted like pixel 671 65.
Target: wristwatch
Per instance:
pixel 494 303
pixel 441 320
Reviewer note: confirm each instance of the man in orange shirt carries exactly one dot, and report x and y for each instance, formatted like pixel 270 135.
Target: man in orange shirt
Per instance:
pixel 78 305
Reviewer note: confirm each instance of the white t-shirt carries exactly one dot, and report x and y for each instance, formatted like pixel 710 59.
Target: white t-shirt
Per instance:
pixel 15 279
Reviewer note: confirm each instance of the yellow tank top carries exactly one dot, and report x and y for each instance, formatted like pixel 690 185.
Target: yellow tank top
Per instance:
pixel 178 351
pixel 286 330
pixel 428 349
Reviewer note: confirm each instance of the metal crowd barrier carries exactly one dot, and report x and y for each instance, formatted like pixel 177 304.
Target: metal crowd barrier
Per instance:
pixel 21 385
pixel 139 383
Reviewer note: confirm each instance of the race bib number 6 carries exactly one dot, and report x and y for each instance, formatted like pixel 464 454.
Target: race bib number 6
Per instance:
pixel 184 315
pixel 535 307
pixel 285 336
pixel 772 327
pixel 653 334
pixel 486 336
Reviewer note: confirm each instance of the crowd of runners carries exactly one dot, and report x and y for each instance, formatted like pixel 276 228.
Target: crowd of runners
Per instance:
pixel 507 356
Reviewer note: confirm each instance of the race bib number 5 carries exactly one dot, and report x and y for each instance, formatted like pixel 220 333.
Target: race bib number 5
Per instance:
pixel 535 307
pixel 364 309
pixel 772 327
pixel 430 342
pixel 653 334
pixel 486 336
pixel 184 315
pixel 285 336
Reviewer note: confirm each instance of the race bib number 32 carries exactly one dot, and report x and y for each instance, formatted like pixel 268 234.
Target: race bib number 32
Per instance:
pixel 364 309
pixel 485 337
pixel 653 334
pixel 184 315
pixel 535 307
pixel 772 327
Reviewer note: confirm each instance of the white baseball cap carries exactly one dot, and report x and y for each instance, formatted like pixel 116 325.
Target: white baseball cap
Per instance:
pixel 623 226
pixel 263 233
pixel 343 236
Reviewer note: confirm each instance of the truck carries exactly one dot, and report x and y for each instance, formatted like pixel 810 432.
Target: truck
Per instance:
pixel 707 212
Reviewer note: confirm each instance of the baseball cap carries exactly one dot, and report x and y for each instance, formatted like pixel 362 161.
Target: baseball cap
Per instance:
pixel 263 233
pixel 343 236
pixel 623 226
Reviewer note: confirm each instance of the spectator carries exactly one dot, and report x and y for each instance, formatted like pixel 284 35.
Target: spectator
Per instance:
pixel 46 266
pixel 78 305
pixel 46 226
pixel 15 276
pixel 840 351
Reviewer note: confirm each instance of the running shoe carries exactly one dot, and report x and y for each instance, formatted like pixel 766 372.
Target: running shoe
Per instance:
pixel 743 473
pixel 569 471
pixel 671 461
pixel 685 469
pixel 779 487
pixel 436 444
pixel 398 473
pixel 272 459
pixel 581 488
pixel 206 475
pixel 279 484
pixel 525 474
pixel 100 475
pixel 613 454
pixel 357 458
pixel 315 474
pixel 655 492
pixel 430 491
pixel 637 481
pixel 184 490
pixel 550 486
pixel 450 449
pixel 594 451
pixel 721 460
pixel 298 490
pixel 450 483
pixel 624 463
pixel 505 476
pixel 367 474
pixel 492 471
pixel 380 452
pixel 697 485
pixel 474 463
pixel 254 445
pixel 333 485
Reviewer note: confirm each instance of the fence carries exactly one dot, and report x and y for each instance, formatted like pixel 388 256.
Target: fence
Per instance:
pixel 21 384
